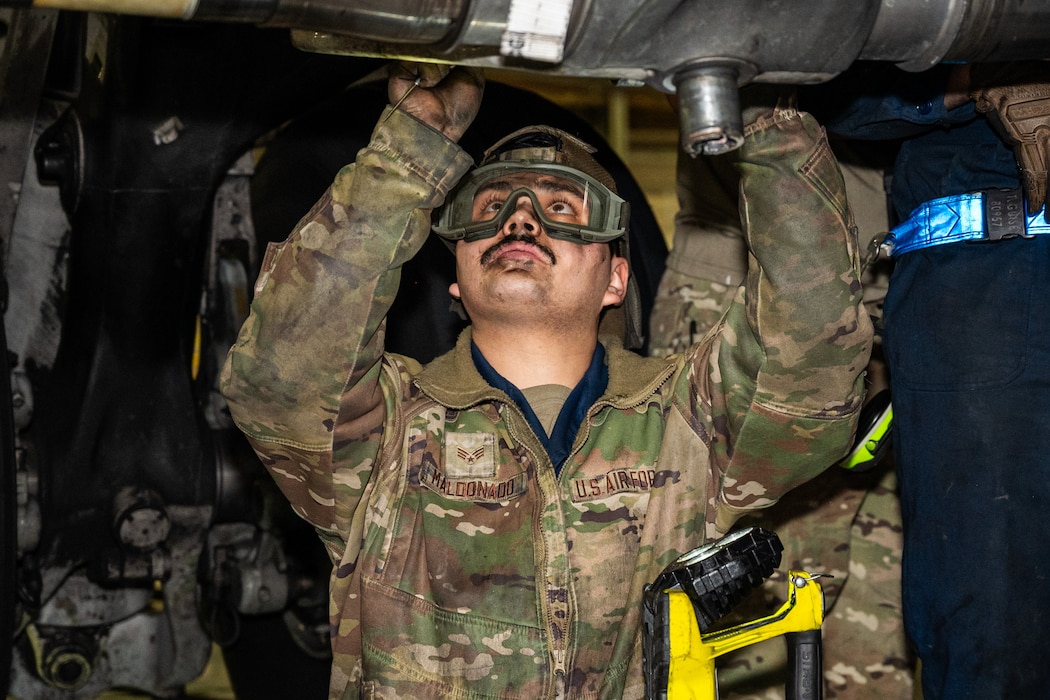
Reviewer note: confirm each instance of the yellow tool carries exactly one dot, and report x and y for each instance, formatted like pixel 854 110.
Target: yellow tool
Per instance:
pixel 689 596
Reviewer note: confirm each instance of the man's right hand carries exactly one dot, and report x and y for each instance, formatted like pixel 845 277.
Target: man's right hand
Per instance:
pixel 446 98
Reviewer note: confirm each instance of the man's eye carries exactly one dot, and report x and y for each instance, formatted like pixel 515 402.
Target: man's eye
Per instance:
pixel 491 206
pixel 562 209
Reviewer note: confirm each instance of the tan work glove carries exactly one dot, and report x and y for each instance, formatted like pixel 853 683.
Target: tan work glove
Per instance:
pixel 1016 98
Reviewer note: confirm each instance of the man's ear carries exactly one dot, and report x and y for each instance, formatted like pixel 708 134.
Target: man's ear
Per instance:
pixel 619 273
pixel 453 289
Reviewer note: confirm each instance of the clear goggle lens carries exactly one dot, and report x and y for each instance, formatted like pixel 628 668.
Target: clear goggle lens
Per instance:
pixel 569 204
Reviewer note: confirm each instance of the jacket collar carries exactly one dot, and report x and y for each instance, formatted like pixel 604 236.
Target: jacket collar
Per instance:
pixel 453 380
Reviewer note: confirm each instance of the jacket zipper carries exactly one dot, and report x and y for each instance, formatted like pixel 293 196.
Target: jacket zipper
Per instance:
pixel 558 649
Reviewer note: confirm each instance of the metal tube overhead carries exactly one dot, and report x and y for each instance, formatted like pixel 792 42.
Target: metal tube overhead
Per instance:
pixel 919 35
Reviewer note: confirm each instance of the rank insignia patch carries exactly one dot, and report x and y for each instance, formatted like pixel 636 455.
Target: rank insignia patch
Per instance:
pixel 470 455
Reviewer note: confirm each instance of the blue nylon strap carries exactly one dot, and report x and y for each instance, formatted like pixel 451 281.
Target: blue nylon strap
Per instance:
pixel 978 216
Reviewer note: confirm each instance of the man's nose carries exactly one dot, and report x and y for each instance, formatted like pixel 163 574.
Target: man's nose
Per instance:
pixel 524 219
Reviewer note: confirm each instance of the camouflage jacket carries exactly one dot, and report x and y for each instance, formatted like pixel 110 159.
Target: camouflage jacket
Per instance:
pixel 463 566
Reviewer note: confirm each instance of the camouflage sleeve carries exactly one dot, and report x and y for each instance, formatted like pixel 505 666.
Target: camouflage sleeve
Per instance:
pixel 789 361
pixel 315 332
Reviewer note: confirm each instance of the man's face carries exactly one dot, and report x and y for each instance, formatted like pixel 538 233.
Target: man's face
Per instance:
pixel 522 271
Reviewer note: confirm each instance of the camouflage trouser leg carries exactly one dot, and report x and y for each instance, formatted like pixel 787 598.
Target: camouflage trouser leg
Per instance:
pixel 866 619
pixel 844 524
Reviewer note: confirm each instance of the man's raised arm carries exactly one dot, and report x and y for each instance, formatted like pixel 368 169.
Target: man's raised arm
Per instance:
pixel 315 328
pixel 791 366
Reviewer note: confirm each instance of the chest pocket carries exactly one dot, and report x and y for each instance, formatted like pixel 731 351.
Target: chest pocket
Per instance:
pixel 470 459
pixel 458 560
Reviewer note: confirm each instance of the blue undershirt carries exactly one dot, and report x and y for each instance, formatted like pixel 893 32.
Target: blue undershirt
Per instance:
pixel 559 443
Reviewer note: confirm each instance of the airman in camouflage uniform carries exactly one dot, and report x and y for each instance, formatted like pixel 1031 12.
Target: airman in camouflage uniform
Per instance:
pixel 467 562
pixel 844 524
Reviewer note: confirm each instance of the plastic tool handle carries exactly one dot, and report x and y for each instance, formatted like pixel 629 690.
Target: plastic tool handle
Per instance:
pixel 805 666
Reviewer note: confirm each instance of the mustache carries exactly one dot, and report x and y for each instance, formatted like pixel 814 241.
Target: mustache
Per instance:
pixel 487 256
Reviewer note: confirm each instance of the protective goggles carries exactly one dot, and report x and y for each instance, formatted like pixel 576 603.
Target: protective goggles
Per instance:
pixel 569 204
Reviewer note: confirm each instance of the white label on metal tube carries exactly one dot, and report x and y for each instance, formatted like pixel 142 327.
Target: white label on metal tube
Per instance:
pixel 536 29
